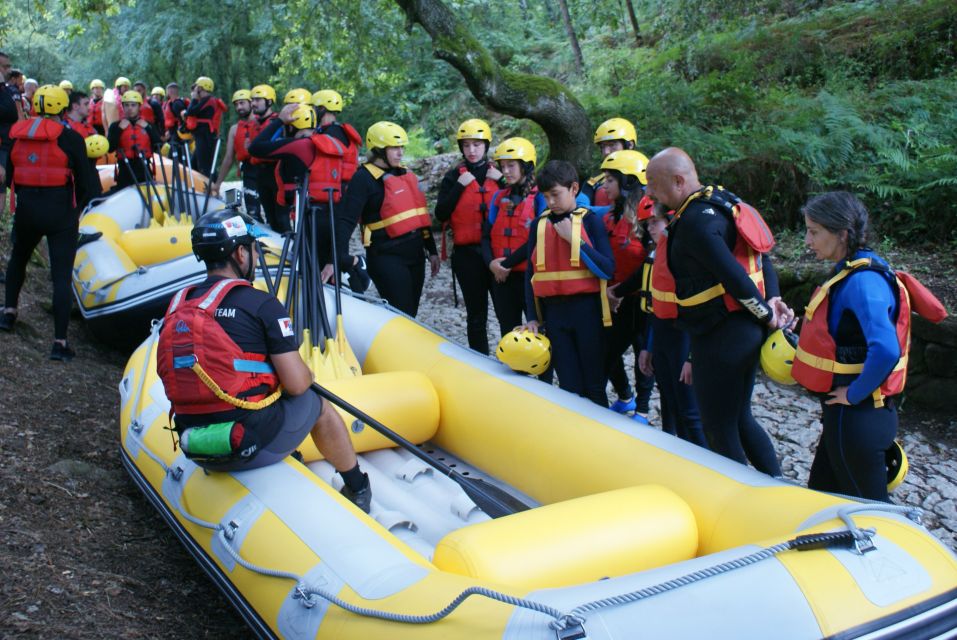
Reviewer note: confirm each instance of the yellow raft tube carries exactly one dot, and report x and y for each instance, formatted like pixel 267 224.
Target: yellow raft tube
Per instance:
pixel 633 533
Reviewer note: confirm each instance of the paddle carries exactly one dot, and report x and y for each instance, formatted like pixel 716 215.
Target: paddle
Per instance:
pixel 146 205
pixel 493 501
pixel 212 179
pixel 342 343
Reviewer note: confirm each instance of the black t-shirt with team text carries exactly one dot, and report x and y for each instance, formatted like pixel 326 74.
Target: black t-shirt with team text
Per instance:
pixel 258 323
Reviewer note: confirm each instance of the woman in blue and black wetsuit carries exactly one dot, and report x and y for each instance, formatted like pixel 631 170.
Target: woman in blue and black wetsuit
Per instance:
pixel 853 347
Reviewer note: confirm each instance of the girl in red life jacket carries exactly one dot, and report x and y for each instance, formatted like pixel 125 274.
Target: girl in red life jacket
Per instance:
pixel 615 134
pixel 462 204
pixel 505 231
pixel 853 346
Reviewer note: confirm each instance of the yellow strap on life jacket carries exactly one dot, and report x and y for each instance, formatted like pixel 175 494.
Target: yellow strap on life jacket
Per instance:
pixel 239 403
pixel 702 296
pixel 377 172
pixel 540 241
pixel 576 243
pixel 646 289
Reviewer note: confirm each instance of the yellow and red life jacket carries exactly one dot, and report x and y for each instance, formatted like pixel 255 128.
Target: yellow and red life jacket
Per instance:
pixel 202 368
pixel 84 129
pixel 471 209
pixel 816 360
pixel 558 267
pixel 134 140
pixel 96 114
pixel 626 247
pixel 403 205
pixel 37 158
pixel 325 171
pixel 246 131
pixel 219 108
pixel 510 229
pixel 663 300
pixel 753 239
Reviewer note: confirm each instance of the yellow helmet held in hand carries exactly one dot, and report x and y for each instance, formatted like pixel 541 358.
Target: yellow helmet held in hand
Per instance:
pixel 242 94
pixel 515 149
pixel 386 134
pixel 628 162
pixel 897 466
pixel 304 117
pixel 525 351
pixel 121 82
pixel 97 146
pixel 50 100
pixel 263 91
pixel 327 99
pixel 616 129
pixel 297 96
pixel 777 356
pixel 474 129
pixel 66 85
pixel 132 96
pixel 205 83
pixel 158 91
pixel 97 84
pixel 164 150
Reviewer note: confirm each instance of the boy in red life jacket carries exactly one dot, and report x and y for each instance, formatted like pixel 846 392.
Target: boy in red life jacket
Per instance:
pixel 130 138
pixel 237 147
pixel 616 134
pixel 51 181
pixel 462 204
pixel 240 394
pixel 570 262
pixel 203 117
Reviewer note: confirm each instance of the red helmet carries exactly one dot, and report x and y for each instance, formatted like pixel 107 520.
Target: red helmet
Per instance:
pixel 646 208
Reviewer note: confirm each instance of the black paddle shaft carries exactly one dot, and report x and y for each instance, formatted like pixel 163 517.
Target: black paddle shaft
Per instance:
pixel 493 501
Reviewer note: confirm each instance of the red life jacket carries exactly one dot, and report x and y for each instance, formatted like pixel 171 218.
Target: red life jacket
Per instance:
pixel 38 160
pixel 815 362
pixel 170 121
pixel 664 302
pixel 403 205
pixel 600 197
pixel 256 127
pixel 84 129
pixel 133 140
pixel 246 131
pixel 511 226
pixel 350 159
pixel 470 210
pixel 558 267
pixel 625 246
pixel 146 112
pixel 753 238
pixel 325 171
pixel 96 114
pixel 219 108
pixel 191 336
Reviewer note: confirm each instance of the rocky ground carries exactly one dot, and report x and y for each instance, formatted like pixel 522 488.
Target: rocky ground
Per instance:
pixel 83 555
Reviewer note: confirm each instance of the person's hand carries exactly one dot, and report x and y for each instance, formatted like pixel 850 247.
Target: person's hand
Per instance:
pixel 782 315
pixel 327 273
pixel 614 301
pixel 838 396
pixel 531 325
pixel 564 229
pixel 685 375
pixel 215 189
pixel 500 272
pixel 285 116
pixel 124 123
pixel 466 178
pixel 644 363
pixel 435 263
pixel 493 173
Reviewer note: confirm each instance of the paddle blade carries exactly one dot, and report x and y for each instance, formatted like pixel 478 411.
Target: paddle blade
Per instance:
pixel 345 349
pixel 493 501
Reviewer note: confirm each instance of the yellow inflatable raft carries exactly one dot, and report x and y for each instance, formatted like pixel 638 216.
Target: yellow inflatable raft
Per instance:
pixel 633 533
pixel 191 178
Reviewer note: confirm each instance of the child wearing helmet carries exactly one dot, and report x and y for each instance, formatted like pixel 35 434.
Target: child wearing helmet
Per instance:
pixel 133 139
pixel 615 134
pixel 462 204
pixel 385 198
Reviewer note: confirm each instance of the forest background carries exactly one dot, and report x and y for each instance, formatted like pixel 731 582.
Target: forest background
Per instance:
pixel 776 99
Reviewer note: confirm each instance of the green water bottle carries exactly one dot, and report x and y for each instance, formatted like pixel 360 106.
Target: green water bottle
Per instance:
pixel 214 440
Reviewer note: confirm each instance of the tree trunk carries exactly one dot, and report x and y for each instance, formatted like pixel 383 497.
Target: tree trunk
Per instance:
pixel 634 20
pixel 521 95
pixel 572 38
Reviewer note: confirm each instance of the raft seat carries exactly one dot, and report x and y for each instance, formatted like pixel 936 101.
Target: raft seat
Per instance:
pixel 576 541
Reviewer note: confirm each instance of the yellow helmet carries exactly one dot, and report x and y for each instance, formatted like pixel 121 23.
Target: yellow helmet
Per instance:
pixel 97 146
pixel 164 150
pixel 328 99
pixel 158 91
pixel 777 356
pixel 97 84
pixel 628 162
pixel 297 96
pixel 304 117
pixel 525 351
pixel 386 134
pixel 205 83
pixel 263 91
pixel 474 129
pixel 616 129
pixel 121 82
pixel 66 85
pixel 242 94
pixel 132 96
pixel 185 136
pixel 897 466
pixel 50 100
pixel 515 149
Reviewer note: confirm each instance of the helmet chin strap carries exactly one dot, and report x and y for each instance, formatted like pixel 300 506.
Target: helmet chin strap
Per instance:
pixel 250 273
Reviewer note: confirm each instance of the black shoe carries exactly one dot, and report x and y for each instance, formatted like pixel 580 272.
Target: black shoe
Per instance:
pixel 361 498
pixel 62 352
pixel 7 320
pixel 359 276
